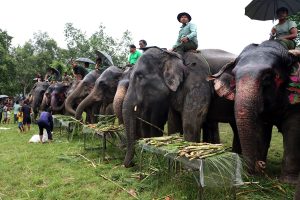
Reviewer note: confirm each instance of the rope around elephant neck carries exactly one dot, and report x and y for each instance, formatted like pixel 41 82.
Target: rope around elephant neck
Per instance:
pixel 209 71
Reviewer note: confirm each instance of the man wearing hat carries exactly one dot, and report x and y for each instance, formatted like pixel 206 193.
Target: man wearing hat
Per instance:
pixel 187 38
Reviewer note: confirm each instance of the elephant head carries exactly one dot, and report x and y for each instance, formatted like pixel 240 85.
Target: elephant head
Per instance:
pixel 82 89
pixel 37 93
pixel 104 90
pixel 156 74
pixel 261 74
pixel 58 96
pixel 47 97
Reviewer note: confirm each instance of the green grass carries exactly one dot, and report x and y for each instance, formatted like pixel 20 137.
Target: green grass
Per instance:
pixel 64 170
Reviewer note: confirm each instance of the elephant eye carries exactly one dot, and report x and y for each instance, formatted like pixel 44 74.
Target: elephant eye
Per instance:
pixel 139 75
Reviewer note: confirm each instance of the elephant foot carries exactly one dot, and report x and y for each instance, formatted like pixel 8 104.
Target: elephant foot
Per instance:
pixel 128 164
pixel 291 179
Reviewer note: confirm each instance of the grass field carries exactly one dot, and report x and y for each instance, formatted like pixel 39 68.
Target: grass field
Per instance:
pixel 64 170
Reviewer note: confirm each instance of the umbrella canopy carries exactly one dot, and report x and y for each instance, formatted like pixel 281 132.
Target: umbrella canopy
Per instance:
pixel 85 60
pixel 266 9
pixel 106 59
pixel 3 96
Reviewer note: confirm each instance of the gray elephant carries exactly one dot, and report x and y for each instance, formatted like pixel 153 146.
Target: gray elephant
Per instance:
pixel 37 93
pixel 81 90
pixel 160 79
pixel 46 101
pixel 103 92
pixel 260 76
pixel 58 97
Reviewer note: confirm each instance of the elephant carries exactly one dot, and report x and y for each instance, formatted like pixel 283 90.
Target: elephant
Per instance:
pixel 103 92
pixel 162 80
pixel 37 93
pixel 79 92
pixel 58 96
pixel 120 94
pixel 259 78
pixel 46 101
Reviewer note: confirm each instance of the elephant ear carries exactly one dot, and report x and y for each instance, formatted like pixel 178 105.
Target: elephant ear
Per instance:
pixel 224 81
pixel 173 73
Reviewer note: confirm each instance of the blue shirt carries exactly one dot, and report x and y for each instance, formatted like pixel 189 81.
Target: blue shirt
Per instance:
pixel 47 118
pixel 187 30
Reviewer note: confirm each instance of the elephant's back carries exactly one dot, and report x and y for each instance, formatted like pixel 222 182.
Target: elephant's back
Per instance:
pixel 217 58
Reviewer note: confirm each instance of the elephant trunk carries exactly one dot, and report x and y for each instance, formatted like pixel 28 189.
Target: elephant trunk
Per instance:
pixel 129 116
pixel 45 102
pixel 89 100
pixel 247 103
pixel 118 100
pixel 54 104
pixel 71 98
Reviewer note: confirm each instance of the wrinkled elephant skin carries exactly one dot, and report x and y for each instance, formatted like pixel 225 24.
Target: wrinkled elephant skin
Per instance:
pixel 160 79
pixel 261 74
pixel 103 92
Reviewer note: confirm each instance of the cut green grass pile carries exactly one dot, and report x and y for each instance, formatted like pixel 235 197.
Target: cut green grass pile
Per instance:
pixel 64 170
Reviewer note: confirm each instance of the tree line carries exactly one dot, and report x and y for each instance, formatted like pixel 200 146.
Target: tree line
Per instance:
pixel 19 65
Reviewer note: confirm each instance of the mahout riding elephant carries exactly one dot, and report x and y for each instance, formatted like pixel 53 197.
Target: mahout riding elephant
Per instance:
pixel 260 77
pixel 82 90
pixel 37 93
pixel 161 80
pixel 103 92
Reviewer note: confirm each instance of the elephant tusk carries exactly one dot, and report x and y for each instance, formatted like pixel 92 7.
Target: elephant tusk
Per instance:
pixel 135 108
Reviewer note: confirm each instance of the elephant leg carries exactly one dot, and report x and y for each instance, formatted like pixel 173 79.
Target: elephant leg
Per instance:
pixel 291 143
pixel 211 132
pixel 159 117
pixel 174 122
pixel 145 121
pixel 109 109
pixel 236 144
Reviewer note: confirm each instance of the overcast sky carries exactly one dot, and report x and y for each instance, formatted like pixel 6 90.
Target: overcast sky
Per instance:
pixel 221 23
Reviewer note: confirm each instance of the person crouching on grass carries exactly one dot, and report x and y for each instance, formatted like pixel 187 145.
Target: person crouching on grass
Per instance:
pixel 20 120
pixel 45 122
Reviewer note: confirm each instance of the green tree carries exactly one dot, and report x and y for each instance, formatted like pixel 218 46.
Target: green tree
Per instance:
pixel 7 65
pixel 79 45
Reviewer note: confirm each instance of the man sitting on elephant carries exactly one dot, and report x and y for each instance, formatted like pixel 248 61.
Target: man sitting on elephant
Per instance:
pixel 285 31
pixel 187 38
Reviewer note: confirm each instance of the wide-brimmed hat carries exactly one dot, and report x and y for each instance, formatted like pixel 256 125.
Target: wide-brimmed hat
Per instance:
pixel 184 13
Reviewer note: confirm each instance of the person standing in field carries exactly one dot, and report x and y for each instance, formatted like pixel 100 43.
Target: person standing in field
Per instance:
pixel 26 109
pixel 16 110
pixel 1 111
pixel 5 109
pixel 20 120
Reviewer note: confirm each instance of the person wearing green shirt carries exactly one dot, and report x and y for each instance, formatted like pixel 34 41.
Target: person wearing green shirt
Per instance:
pixel 187 37
pixel 134 54
pixel 285 31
